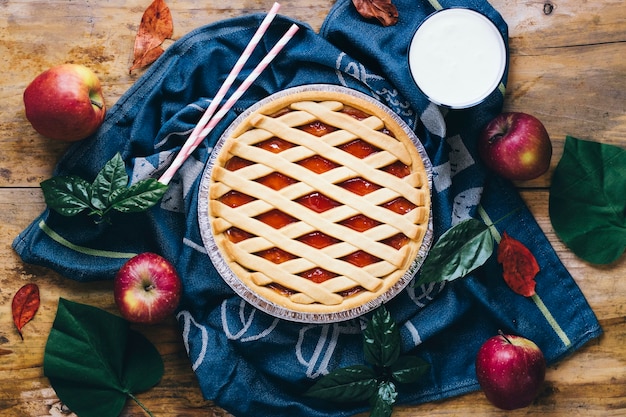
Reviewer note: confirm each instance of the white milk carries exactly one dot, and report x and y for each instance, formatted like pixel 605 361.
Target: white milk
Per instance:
pixel 457 57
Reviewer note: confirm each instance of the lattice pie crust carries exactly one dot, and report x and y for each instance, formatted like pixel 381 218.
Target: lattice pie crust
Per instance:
pixel 350 285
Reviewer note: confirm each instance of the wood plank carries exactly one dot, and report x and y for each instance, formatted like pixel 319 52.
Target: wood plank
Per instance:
pixel 567 68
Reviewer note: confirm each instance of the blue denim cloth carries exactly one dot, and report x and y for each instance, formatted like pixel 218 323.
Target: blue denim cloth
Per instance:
pixel 253 364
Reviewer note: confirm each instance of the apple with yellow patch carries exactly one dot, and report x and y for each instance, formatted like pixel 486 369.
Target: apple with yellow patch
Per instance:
pixel 65 103
pixel 147 289
pixel 516 146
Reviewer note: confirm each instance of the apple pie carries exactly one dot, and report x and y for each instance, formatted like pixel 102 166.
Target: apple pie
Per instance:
pixel 318 204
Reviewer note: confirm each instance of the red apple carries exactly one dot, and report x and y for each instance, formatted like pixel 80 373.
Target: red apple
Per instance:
pixel 510 371
pixel 147 289
pixel 65 103
pixel 516 146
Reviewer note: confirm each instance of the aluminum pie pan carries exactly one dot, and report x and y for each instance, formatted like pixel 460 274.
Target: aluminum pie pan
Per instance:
pixel 256 300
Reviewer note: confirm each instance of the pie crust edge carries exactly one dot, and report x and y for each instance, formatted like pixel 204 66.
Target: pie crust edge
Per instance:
pixel 268 299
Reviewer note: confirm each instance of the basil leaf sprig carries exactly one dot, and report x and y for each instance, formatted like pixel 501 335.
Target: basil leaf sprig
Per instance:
pixel 70 195
pixel 459 251
pixel 375 383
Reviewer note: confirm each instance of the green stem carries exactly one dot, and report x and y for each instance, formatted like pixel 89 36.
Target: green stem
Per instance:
pixel 436 5
pixel 492 224
pixel 551 320
pixel 135 399
pixel 510 213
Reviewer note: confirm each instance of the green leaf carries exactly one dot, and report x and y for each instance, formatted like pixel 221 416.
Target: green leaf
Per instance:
pixel 408 369
pixel 381 339
pixel 382 404
pixel 95 362
pixel 111 177
pixel 460 250
pixel 68 195
pixel 138 197
pixel 352 384
pixel 588 200
pixel 357 383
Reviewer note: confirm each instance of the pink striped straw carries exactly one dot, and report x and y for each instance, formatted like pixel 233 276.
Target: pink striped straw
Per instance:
pixel 249 80
pixel 208 122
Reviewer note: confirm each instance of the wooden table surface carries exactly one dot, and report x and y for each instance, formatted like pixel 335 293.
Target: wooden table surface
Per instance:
pixel 567 68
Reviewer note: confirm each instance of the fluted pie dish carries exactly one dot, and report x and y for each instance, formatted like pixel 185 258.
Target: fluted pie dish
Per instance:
pixel 315 204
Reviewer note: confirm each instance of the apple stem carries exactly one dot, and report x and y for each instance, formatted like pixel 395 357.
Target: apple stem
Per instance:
pixel 496 137
pixel 501 333
pixel 135 399
pixel 97 104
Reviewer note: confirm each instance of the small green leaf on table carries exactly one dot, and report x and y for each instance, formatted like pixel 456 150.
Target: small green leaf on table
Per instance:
pixel 70 195
pixel 376 384
pixel 95 362
pixel 408 369
pixel 381 339
pixel 588 200
pixel 138 197
pixel 459 251
pixel 352 384
pixel 382 404
pixel 111 178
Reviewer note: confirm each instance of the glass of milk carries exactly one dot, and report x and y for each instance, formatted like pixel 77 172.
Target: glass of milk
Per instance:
pixel 457 57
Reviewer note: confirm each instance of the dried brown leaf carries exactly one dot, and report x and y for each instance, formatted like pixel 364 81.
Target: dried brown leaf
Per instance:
pixel 156 26
pixel 383 10
pixel 147 59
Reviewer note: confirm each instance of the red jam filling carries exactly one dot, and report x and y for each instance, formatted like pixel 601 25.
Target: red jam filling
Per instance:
pixel 319 202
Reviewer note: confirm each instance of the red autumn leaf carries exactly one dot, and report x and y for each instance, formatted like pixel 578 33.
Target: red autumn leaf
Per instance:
pixel 25 305
pixel 156 26
pixel 519 265
pixel 383 10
